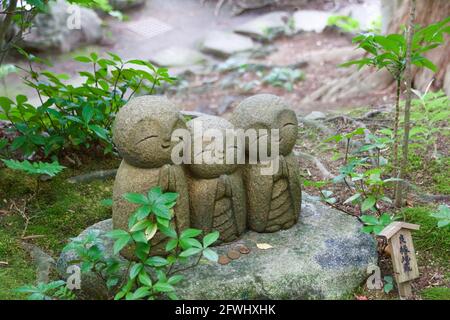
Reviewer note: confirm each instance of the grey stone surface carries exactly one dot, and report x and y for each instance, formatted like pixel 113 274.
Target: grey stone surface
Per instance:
pixel 324 256
pixel 224 44
pixel 241 5
pixel 259 26
pixel 176 56
pixel 43 261
pixel 54 30
pixel 126 4
pixel 315 115
pixel 310 20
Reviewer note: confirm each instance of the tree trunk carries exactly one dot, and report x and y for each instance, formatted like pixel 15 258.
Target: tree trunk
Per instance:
pixel 395 15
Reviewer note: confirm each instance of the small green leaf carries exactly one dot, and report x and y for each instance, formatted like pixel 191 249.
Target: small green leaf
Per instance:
pixel 139 237
pixel 135 270
pixel 367 229
pixel 353 198
pixel 368 203
pixel 156 261
pixel 144 278
pixel 171 244
pixel 210 255
pixel 140 225
pixel 190 252
pixel 369 220
pixel 83 59
pixel 163 287
pixel 142 212
pixel 210 238
pixel 115 234
pixel 175 279
pixel 121 243
pixel 136 198
pixel 190 233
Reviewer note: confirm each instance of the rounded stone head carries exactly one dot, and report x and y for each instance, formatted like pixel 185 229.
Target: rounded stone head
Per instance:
pixel 209 133
pixel 267 111
pixel 143 130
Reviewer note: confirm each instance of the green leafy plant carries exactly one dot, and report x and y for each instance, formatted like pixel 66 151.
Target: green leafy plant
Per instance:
pixel 151 276
pixel 345 23
pixel 429 114
pixel 92 258
pixel 393 52
pixel 55 290
pixel 388 284
pixel 375 225
pixel 36 168
pixel 442 215
pixel 364 170
pixel 283 77
pixel 78 117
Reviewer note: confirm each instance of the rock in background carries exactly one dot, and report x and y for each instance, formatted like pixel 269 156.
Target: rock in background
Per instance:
pixel 124 5
pixel 51 32
pixel 324 256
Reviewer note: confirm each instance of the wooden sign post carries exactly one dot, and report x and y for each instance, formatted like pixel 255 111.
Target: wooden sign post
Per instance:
pixel 398 235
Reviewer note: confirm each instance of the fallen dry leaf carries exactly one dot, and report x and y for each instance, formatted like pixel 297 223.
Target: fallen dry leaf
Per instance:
pixel 263 246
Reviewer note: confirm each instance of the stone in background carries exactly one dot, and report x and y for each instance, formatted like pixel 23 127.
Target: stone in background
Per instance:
pixel 51 31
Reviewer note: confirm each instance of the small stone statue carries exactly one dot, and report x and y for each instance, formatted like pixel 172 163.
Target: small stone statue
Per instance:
pixel 273 201
pixel 143 135
pixel 216 191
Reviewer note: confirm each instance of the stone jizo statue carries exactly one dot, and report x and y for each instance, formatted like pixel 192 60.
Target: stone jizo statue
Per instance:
pixel 273 201
pixel 227 197
pixel 216 191
pixel 142 133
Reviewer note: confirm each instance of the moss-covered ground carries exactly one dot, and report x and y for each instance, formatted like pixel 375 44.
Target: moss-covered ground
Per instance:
pixel 61 210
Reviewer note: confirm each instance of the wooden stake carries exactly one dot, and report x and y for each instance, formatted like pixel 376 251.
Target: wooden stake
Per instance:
pixel 404 290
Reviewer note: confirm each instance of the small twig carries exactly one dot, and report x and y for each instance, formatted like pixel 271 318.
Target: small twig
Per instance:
pixel 36 236
pixel 189 267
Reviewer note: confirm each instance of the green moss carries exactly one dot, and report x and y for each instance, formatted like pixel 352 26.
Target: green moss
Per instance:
pixel 437 293
pixel 441 175
pixel 19 269
pixel 429 238
pixel 436 172
pixel 61 211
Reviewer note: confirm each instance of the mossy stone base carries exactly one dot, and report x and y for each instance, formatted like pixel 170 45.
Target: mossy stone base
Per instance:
pixel 324 256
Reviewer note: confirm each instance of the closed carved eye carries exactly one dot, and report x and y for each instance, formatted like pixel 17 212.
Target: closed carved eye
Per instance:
pixel 288 124
pixel 146 138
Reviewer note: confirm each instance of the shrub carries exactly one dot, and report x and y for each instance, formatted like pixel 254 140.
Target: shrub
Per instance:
pixel 76 117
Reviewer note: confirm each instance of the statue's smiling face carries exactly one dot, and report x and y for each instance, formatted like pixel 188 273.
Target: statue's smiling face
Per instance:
pixel 211 155
pixel 287 123
pixel 151 141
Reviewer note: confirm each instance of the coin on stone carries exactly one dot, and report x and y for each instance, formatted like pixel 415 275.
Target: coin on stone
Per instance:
pixel 233 254
pixel 243 249
pixel 224 260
